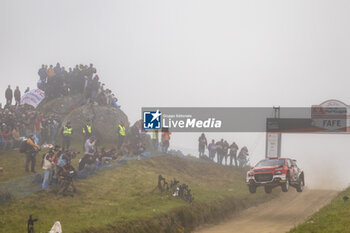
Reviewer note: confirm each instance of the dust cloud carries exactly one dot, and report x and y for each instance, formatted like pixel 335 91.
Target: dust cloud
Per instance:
pixel 325 158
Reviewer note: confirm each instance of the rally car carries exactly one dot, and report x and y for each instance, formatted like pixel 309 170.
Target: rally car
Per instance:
pixel 273 172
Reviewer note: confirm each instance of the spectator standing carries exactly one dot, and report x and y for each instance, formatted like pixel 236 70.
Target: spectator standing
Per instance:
pixel 165 140
pixel 16 137
pixel 202 143
pixel 225 151
pixel 42 73
pixel 121 133
pixel 50 73
pixel 67 132
pixel 48 166
pixel 8 95
pixel 57 69
pixel 6 136
pixel 87 131
pixel 17 95
pixel 242 156
pixel 31 150
pixel 155 139
pixel 219 151
pixel 233 153
pixel 212 149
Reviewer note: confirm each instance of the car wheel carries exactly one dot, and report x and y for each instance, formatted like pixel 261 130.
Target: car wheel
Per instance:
pixel 285 186
pixel 268 189
pixel 300 186
pixel 252 188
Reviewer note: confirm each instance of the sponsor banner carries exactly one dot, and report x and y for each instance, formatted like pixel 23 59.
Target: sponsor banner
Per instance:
pixel 273 144
pixel 238 120
pixel 33 97
pixel 330 114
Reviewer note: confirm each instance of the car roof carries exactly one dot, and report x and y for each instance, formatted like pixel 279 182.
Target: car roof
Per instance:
pixel 277 158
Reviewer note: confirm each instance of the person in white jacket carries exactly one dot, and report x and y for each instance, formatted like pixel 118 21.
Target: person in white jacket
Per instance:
pixel 48 166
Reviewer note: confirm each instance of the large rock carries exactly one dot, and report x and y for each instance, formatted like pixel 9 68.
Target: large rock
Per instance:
pixel 105 120
pixel 62 106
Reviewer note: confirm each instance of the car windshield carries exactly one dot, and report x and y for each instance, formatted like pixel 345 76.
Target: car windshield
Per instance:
pixel 270 162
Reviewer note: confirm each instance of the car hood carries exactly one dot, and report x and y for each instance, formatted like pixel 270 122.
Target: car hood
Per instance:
pixel 265 169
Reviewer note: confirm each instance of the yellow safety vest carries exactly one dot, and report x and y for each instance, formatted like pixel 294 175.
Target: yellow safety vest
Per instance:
pixel 121 130
pixel 88 129
pixel 154 135
pixel 67 131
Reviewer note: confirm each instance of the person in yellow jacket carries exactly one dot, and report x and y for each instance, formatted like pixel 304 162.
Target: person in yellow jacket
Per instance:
pixel 87 131
pixel 67 132
pixel 50 72
pixel 155 139
pixel 121 133
pixel 31 150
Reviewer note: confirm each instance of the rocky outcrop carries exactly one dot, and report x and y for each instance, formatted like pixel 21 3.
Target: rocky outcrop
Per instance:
pixel 105 120
pixel 62 106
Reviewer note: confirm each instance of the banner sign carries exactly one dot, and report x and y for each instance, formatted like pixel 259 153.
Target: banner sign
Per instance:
pixel 331 114
pixel 33 97
pixel 247 119
pixel 273 144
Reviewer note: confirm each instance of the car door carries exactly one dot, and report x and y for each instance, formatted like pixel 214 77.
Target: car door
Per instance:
pixel 296 170
pixel 291 169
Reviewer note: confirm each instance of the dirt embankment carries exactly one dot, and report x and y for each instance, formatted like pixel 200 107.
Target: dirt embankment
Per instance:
pixel 278 215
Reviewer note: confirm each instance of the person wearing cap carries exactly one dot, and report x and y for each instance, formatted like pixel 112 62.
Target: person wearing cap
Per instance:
pixel 67 132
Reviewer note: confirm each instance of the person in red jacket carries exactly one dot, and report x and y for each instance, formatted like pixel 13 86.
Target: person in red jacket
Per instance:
pixel 165 139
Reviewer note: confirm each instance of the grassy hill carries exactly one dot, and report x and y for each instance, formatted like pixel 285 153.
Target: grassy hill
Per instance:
pixel 334 217
pixel 124 199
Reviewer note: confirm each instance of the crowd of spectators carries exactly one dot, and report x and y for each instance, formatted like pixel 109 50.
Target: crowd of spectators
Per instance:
pixel 19 121
pixel 225 153
pixel 57 81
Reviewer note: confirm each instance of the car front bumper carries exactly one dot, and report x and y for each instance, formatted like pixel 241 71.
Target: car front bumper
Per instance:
pixel 276 180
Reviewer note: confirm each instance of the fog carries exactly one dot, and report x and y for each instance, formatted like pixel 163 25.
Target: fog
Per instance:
pixel 196 53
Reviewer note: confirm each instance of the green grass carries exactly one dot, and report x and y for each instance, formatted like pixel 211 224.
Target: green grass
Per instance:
pixel 333 218
pixel 13 163
pixel 124 199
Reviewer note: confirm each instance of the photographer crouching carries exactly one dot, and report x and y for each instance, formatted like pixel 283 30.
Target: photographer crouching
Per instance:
pixel 66 173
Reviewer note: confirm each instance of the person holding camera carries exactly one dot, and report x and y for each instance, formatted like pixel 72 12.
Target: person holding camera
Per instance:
pixel 87 164
pixel 31 150
pixel 66 175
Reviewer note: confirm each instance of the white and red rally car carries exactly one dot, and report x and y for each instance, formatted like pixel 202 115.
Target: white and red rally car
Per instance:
pixel 273 172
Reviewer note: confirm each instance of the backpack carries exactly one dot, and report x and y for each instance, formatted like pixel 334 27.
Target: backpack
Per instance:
pixel 23 146
pixel 61 161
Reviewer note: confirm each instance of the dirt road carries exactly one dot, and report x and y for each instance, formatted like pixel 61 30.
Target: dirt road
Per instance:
pixel 278 215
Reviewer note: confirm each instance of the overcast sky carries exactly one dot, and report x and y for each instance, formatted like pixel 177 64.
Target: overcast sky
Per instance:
pixel 186 52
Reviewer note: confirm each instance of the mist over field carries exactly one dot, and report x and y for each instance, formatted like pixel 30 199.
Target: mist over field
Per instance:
pixel 195 53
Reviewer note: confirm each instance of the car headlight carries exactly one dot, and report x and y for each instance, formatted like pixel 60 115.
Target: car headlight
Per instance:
pixel 278 172
pixel 250 174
